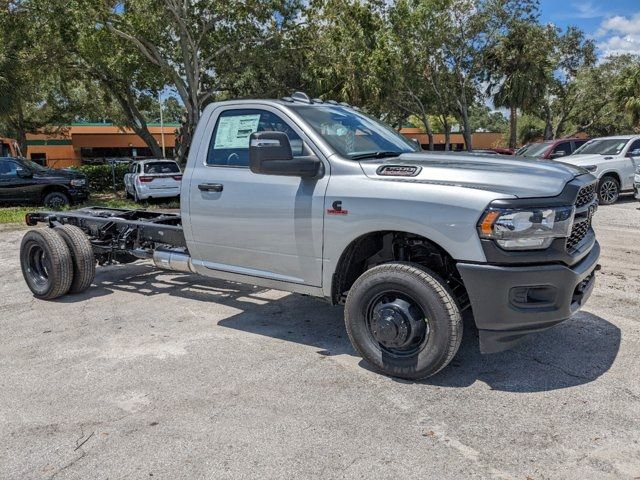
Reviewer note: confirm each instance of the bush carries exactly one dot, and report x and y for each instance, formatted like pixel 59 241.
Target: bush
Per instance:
pixel 100 177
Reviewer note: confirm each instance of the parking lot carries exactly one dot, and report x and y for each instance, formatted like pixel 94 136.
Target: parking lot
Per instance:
pixel 164 375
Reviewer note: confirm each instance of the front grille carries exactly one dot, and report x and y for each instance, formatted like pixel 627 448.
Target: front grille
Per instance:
pixel 586 195
pixel 586 205
pixel 578 232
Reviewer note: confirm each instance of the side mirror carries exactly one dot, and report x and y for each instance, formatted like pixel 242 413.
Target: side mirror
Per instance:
pixel 24 173
pixel 270 154
pixel 558 154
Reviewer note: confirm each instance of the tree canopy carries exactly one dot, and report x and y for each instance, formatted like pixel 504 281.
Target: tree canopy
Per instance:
pixel 445 64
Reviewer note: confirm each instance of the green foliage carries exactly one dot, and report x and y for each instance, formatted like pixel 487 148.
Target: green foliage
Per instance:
pixel 627 93
pixel 100 177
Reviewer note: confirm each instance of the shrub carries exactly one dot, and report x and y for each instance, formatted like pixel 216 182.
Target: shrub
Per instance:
pixel 100 177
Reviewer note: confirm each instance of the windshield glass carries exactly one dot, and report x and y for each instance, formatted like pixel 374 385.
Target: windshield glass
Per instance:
pixel 611 146
pixel 353 134
pixel 536 150
pixel 34 166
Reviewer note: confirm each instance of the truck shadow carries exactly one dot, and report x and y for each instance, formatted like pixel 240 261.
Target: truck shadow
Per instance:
pixel 573 353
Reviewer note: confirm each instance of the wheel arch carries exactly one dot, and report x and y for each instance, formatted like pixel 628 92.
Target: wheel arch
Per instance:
pixel 54 187
pixel 611 173
pixel 381 246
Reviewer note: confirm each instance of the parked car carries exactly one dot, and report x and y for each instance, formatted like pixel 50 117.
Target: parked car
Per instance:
pixel 636 183
pixel 153 179
pixel 317 198
pixel 551 149
pixel 23 181
pixel 613 160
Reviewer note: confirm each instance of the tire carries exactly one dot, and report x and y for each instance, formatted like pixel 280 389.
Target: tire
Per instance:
pixel 84 262
pixel 56 200
pixel 433 310
pixel 46 262
pixel 608 190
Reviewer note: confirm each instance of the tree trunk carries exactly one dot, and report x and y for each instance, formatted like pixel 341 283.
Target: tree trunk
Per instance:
pixel 427 126
pixel 548 126
pixel 447 133
pixel 464 118
pixel 21 133
pixel 513 127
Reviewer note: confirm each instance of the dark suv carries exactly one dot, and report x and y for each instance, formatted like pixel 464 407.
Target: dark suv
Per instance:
pixel 24 181
pixel 552 149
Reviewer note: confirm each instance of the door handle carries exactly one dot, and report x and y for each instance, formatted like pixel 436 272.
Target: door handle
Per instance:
pixel 210 187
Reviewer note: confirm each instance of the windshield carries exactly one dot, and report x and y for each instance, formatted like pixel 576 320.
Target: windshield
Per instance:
pixel 536 150
pixel 34 166
pixel 353 134
pixel 610 146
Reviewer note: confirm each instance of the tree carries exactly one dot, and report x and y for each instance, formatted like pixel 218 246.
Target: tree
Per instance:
pixel 518 66
pixel 196 44
pixel 570 54
pixel 627 92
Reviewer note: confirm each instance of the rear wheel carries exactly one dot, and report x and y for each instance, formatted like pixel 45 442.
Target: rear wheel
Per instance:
pixel 56 200
pixel 84 262
pixel 608 190
pixel 403 319
pixel 46 263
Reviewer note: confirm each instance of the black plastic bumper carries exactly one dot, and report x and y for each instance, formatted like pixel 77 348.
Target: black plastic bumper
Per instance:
pixel 78 194
pixel 510 302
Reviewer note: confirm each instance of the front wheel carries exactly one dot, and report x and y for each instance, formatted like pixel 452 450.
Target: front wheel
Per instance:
pixel 402 318
pixel 56 200
pixel 608 190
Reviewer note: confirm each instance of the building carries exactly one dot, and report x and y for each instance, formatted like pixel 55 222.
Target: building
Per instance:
pixel 94 143
pixel 479 140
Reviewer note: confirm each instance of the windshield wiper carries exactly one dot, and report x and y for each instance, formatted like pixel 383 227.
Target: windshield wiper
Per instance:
pixel 379 154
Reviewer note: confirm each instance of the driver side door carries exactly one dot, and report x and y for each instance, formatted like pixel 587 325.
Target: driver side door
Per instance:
pixel 267 226
pixel 13 188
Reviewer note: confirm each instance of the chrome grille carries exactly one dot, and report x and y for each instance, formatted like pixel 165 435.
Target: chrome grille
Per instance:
pixel 586 195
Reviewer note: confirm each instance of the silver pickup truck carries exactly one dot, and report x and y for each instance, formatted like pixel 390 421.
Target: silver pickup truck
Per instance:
pixel 317 198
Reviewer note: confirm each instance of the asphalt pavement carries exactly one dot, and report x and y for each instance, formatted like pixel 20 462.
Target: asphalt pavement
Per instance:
pixel 153 374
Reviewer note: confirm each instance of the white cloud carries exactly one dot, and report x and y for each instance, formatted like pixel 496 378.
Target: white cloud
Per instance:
pixel 618 35
pixel 586 10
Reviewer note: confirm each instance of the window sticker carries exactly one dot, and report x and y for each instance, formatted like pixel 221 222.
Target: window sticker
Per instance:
pixel 234 132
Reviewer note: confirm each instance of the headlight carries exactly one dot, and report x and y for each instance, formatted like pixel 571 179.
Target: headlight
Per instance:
pixel 78 182
pixel 526 229
pixel 591 168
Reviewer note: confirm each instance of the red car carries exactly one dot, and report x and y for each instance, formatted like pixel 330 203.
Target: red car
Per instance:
pixel 551 149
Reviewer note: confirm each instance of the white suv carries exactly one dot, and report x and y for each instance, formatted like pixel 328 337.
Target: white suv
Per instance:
pixel 613 160
pixel 153 179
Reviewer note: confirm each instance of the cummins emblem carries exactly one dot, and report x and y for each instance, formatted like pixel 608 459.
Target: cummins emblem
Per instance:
pixel 336 209
pixel 398 171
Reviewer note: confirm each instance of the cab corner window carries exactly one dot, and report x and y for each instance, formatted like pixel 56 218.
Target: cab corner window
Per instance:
pixel 229 145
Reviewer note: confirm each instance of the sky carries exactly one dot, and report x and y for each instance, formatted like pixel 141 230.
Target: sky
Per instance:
pixel 614 25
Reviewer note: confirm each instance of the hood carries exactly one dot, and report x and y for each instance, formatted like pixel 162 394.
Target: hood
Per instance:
pixel 505 174
pixel 585 160
pixel 61 173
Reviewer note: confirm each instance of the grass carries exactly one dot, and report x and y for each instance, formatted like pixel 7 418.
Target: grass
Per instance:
pixel 111 200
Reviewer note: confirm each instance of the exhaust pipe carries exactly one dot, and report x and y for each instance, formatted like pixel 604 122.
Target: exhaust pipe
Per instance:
pixel 173 260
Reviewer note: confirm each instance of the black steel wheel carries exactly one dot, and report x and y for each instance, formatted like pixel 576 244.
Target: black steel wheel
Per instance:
pixel 46 263
pixel 56 200
pixel 402 318
pixel 608 190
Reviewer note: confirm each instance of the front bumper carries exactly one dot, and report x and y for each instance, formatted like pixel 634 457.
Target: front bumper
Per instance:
pixel 510 302
pixel 78 194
